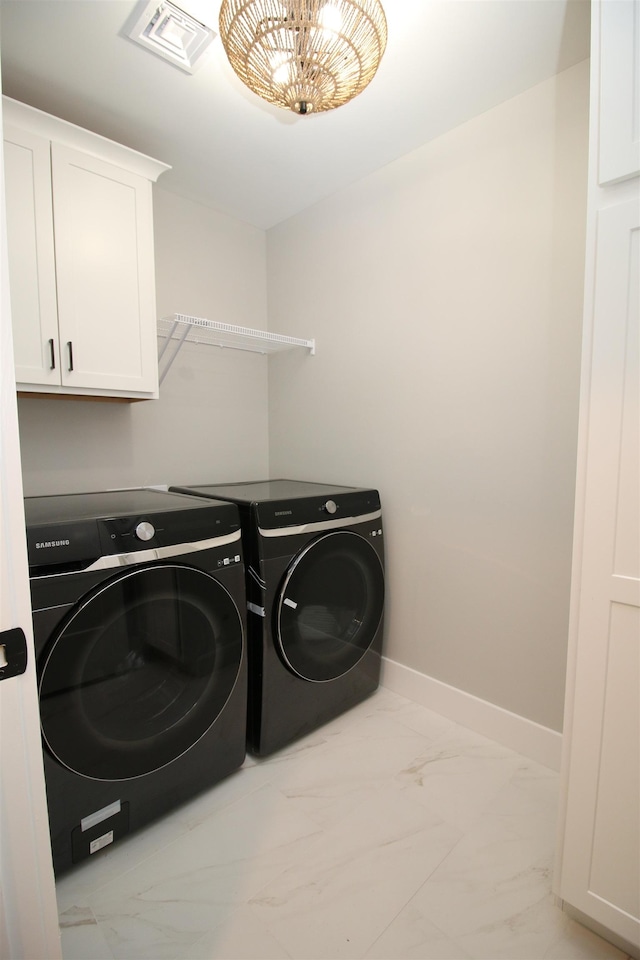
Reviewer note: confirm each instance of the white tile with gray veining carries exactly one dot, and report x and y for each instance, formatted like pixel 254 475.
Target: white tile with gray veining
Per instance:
pixel 390 833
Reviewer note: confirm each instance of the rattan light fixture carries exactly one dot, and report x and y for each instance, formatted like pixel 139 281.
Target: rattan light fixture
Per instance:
pixel 304 55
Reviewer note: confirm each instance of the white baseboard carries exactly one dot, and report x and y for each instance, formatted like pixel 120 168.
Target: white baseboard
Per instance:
pixel 511 730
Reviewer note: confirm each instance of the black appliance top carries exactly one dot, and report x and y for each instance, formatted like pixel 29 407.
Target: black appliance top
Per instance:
pixel 69 529
pixel 262 491
pixel 285 503
pixel 64 507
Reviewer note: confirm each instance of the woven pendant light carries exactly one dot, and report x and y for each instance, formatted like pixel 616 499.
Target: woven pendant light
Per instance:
pixel 304 55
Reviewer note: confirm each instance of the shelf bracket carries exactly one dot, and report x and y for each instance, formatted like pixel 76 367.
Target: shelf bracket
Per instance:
pixel 178 338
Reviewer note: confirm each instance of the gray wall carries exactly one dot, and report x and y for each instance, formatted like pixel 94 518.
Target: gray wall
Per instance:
pixel 210 422
pixel 445 293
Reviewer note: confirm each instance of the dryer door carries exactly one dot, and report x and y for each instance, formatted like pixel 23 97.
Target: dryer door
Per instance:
pixel 329 606
pixel 139 671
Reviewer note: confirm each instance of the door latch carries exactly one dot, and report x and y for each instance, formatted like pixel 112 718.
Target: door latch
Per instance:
pixel 13 653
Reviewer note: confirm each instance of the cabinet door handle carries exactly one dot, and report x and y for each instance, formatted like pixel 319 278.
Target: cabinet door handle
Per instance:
pixel 52 354
pixel 70 349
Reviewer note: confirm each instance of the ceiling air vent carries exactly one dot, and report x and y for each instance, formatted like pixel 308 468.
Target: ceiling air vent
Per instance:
pixel 173 34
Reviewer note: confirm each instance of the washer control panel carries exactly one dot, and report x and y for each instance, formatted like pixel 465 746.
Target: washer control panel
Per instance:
pixel 145 531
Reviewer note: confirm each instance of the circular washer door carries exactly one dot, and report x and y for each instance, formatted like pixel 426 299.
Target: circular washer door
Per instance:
pixel 139 671
pixel 329 606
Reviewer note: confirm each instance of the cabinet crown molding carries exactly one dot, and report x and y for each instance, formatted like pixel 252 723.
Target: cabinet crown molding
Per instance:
pixel 53 128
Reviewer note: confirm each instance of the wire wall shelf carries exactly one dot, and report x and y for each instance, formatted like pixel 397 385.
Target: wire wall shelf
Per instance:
pixel 180 329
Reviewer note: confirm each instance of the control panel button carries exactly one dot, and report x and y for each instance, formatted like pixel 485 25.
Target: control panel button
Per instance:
pixel 145 530
pixel 331 506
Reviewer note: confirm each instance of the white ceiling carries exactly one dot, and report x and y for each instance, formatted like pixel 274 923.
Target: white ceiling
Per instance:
pixel 446 61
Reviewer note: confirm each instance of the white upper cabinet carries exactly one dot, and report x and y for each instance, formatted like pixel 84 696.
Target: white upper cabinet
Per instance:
pixel 105 274
pixel 81 264
pixel 32 268
pixel 619 140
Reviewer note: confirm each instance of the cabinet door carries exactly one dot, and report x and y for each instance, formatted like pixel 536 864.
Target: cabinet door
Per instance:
pixel 105 274
pixel 619 113
pixel 600 873
pixel 31 257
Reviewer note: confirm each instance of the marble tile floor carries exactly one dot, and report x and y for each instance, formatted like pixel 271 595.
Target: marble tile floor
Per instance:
pixel 390 833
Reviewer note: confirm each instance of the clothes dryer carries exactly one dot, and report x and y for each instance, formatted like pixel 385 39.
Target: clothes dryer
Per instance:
pixel 139 619
pixel 315 588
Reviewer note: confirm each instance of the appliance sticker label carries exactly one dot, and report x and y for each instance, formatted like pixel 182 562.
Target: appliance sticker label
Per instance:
pixel 101 842
pixel 290 603
pixel 254 608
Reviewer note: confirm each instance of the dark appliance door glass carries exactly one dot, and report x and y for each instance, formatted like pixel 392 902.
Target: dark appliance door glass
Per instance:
pixel 329 606
pixel 139 671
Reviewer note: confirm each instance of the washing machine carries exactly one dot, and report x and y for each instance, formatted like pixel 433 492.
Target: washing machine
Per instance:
pixel 315 589
pixel 139 614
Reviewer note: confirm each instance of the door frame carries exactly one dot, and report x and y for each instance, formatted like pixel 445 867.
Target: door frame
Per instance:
pixel 28 909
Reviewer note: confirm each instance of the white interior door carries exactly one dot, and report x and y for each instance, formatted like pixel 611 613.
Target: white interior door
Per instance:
pixel 600 873
pixel 28 913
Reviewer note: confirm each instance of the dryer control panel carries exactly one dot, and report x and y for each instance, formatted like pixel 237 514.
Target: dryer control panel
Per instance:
pixel 277 504
pixel 278 514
